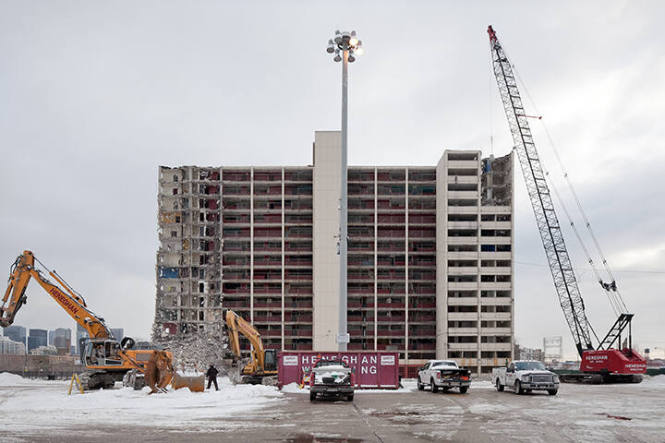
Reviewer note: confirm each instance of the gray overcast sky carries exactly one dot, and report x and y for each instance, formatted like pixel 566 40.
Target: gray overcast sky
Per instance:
pixel 95 95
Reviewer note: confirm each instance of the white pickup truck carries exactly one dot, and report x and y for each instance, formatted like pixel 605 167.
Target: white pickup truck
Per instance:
pixel 523 376
pixel 444 374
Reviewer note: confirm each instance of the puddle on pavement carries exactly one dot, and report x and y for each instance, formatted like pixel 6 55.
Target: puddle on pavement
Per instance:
pixel 401 417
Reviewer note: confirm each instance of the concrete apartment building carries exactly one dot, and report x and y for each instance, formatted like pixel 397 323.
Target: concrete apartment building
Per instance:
pixel 429 257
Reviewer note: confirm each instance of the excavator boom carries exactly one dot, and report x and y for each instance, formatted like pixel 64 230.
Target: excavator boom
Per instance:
pixel 263 362
pixel 103 356
pixel 23 270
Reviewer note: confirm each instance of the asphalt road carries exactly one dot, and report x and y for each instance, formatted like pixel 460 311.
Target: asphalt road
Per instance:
pixel 623 413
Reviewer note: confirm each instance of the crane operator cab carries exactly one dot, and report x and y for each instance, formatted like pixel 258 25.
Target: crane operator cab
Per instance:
pixel 101 352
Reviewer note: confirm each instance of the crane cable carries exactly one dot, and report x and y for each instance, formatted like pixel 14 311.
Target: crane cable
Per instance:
pixel 614 296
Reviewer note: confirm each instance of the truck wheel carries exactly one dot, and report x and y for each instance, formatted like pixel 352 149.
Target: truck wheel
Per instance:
pixel 499 386
pixel 463 389
pixel 552 391
pixel 349 397
pixel 435 388
pixel 518 388
pixel 312 396
pixel 421 387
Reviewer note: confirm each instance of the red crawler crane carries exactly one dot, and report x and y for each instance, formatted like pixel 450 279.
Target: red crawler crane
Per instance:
pixel 602 363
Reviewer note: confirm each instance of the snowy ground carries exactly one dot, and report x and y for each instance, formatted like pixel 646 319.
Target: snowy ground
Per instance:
pixel 33 405
pixel 42 411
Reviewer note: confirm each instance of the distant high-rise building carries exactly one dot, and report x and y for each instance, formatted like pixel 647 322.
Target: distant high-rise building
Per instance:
pixel 62 340
pixel 11 347
pixel 16 333
pixel 37 338
pixel 80 333
pixel 118 333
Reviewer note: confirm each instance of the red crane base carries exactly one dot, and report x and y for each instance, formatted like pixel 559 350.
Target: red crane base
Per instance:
pixel 609 366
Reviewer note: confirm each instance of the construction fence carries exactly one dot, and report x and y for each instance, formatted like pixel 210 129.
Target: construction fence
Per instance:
pixel 41 366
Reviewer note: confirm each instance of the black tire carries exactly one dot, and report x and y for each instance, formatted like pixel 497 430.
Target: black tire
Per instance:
pixel 312 396
pixel 435 388
pixel 349 397
pixel 421 387
pixel 499 386
pixel 552 391
pixel 518 388
pixel 463 389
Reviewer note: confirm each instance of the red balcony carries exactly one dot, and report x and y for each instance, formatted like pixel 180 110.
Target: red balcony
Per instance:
pixel 422 233
pixel 235 176
pixel 392 319
pixel 422 218
pixel 297 318
pixel 299 291
pixel 361 276
pixel 384 333
pixel 423 306
pixel 422 332
pixel 423 346
pixel 391 305
pixel 288 333
pixel 263 304
pixel 419 317
pixel 267 218
pixel 392 218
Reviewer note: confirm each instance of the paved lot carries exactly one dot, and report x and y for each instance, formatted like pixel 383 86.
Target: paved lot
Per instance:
pixel 624 413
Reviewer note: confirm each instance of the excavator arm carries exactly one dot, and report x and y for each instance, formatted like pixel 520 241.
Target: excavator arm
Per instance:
pixel 105 357
pixel 238 325
pixel 22 271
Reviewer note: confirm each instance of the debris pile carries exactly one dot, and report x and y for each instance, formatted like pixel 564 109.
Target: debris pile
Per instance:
pixel 195 352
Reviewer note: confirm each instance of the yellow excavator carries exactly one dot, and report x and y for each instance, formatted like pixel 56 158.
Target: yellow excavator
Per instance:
pixel 105 359
pixel 262 367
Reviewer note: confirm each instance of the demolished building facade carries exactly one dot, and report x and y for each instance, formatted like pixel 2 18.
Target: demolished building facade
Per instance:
pixel 429 261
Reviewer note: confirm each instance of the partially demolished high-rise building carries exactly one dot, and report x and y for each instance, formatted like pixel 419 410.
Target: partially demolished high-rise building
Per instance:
pixel 429 264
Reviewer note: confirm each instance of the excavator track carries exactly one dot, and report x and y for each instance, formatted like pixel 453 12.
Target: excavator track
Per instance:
pixel 91 381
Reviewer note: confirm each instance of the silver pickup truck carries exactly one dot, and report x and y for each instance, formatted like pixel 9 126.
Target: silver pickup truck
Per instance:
pixel 524 376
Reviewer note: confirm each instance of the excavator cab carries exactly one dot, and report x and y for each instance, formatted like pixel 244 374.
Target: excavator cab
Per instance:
pixel 101 352
pixel 270 361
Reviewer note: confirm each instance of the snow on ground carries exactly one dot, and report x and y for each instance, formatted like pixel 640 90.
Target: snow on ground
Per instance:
pixel 8 379
pixel 29 405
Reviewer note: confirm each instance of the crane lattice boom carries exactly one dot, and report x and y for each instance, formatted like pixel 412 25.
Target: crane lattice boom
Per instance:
pixel 541 199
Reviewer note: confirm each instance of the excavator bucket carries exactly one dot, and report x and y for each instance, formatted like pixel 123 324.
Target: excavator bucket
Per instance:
pixel 159 372
pixel 195 383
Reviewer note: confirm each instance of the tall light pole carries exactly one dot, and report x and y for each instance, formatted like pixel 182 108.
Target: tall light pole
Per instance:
pixel 345 46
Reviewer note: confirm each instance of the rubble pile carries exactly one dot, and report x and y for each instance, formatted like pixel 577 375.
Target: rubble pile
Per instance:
pixel 198 351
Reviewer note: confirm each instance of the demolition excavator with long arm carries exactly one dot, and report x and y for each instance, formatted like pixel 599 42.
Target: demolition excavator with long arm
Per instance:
pixel 106 360
pixel 603 362
pixel 262 367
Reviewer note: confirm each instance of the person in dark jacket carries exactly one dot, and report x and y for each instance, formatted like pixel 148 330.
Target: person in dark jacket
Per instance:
pixel 212 376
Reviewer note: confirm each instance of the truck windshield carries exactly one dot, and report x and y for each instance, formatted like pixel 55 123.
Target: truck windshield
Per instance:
pixel 529 366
